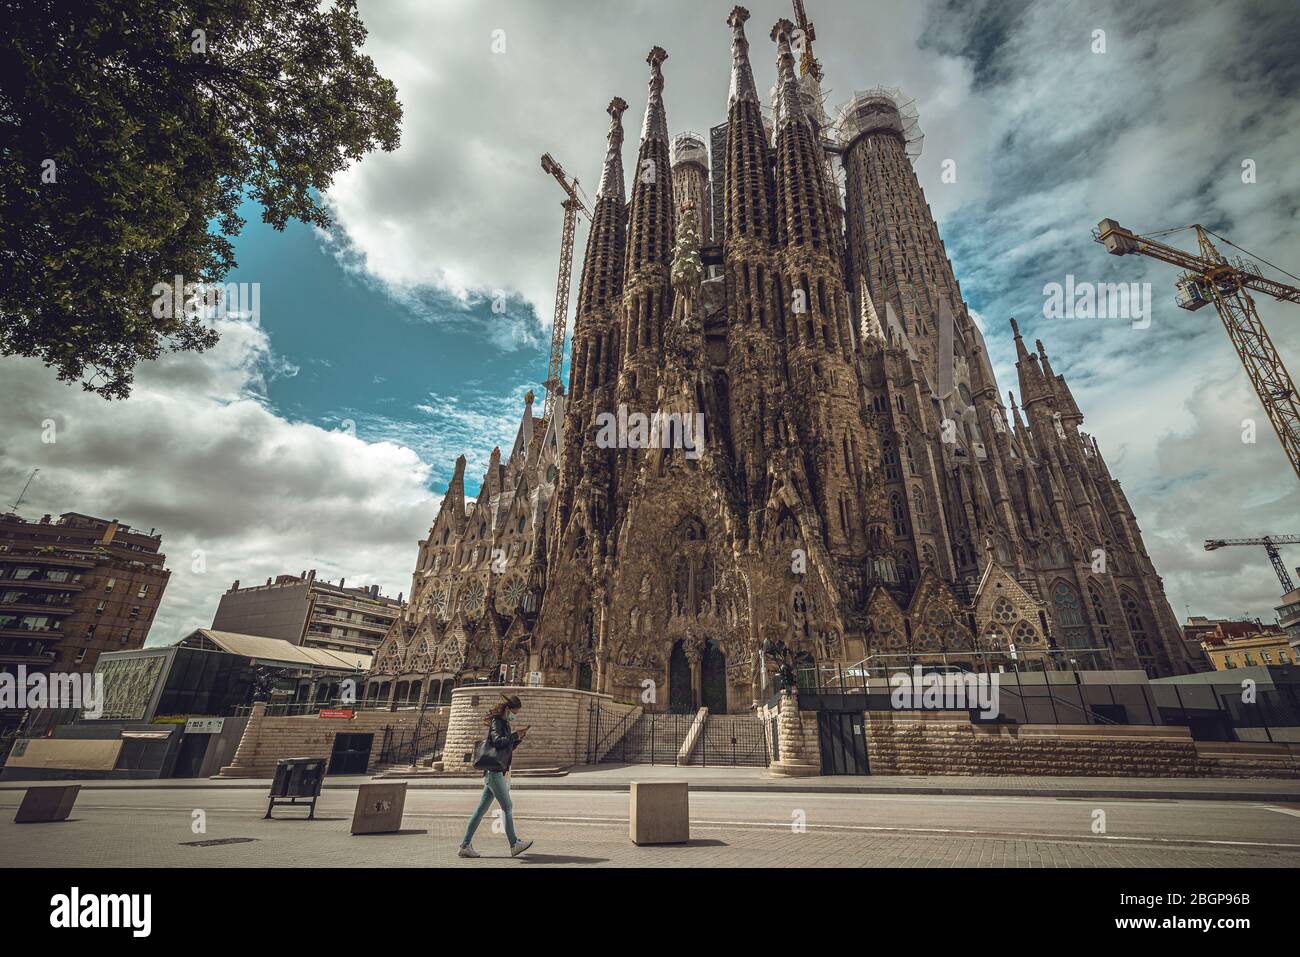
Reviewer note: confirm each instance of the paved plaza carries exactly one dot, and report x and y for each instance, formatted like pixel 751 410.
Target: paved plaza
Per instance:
pixel 583 826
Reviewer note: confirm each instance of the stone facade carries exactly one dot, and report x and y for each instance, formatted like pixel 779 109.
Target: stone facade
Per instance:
pixel 860 490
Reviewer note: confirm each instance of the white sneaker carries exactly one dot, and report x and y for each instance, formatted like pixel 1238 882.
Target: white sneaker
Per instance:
pixel 467 851
pixel 518 847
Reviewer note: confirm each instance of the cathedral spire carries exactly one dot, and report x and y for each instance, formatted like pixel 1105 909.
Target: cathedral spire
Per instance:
pixel 1022 354
pixel 650 231
pixel 602 266
pixel 647 296
pixel 747 209
pixel 1015 412
pixel 611 176
pixel 455 497
pixel 803 212
pixel 789 104
pixel 593 361
pixel 870 328
pixel 656 122
pixel 1042 353
pixel 1033 387
pixel 742 75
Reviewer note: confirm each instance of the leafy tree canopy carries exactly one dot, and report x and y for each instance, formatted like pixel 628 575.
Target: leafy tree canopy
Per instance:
pixel 129 127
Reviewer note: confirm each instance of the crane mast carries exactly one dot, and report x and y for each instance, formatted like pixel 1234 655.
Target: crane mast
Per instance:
pixel 1209 278
pixel 572 205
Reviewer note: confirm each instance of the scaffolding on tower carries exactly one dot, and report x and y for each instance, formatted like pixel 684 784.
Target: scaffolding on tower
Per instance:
pixel 881 108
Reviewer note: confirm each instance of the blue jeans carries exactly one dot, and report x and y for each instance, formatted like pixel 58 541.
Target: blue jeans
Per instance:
pixel 496 786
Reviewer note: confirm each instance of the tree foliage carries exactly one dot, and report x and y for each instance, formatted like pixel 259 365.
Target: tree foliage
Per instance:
pixel 160 117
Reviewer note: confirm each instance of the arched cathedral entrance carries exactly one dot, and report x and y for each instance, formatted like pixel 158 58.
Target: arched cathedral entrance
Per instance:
pixel 681 698
pixel 713 679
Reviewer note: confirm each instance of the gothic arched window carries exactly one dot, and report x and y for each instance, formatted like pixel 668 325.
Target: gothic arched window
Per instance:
pixel 918 508
pixel 1098 610
pixel 898 512
pixel 1069 613
pixel 906 572
pixel 889 462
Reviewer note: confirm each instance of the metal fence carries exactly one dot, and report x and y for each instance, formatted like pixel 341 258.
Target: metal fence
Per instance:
pixel 649 739
pixel 408 745
pixel 657 738
pixel 1031 696
pixel 731 741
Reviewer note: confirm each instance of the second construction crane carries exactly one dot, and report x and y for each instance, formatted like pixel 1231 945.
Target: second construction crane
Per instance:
pixel 572 206
pixel 1270 543
pixel 1210 278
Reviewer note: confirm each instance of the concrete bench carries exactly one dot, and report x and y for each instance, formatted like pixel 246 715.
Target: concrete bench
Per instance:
pixel 660 813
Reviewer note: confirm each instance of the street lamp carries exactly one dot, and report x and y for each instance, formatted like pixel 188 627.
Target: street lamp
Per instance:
pixel 779 652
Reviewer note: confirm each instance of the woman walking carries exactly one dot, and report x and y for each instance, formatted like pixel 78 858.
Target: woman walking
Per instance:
pixel 496 774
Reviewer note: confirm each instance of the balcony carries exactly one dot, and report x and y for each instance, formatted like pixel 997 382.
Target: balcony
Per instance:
pixel 41 584
pixel 38 607
pixel 39 659
pixel 26 631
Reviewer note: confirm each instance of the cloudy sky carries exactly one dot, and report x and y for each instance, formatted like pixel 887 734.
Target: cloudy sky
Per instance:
pixel 323 434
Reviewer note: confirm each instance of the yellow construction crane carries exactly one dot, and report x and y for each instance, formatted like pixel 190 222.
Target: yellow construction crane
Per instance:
pixel 807 62
pixel 1210 278
pixel 572 206
pixel 1270 543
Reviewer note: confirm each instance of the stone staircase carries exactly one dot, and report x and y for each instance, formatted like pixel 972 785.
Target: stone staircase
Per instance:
pixel 651 739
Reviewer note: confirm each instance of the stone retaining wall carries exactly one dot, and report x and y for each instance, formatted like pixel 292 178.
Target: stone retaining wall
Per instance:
pixel 933 742
pixel 268 739
pixel 558 721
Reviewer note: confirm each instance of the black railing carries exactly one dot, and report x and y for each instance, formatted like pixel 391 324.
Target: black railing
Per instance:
pixel 732 741
pixel 1046 701
pixel 653 738
pixel 407 746
pixel 605 729
pixel 657 738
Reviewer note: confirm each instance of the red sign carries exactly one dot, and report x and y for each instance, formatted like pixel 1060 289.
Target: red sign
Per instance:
pixel 336 713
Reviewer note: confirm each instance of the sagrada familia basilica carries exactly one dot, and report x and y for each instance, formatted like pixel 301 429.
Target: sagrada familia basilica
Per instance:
pixel 860 492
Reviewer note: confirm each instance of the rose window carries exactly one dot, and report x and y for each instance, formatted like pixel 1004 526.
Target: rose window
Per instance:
pixel 472 599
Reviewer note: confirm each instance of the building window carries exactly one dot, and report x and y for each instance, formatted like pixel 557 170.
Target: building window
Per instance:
pixel 889 461
pixel 1133 616
pixel 898 512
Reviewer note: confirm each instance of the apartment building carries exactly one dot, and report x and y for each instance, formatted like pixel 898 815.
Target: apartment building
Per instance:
pixel 308 611
pixel 75 588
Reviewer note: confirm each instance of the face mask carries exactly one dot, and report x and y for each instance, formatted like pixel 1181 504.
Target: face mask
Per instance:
pixel 510 716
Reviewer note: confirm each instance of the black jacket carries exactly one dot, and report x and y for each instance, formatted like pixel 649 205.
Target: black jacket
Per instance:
pixel 503 739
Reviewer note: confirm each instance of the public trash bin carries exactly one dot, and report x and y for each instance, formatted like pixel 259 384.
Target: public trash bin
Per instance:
pixel 297 781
